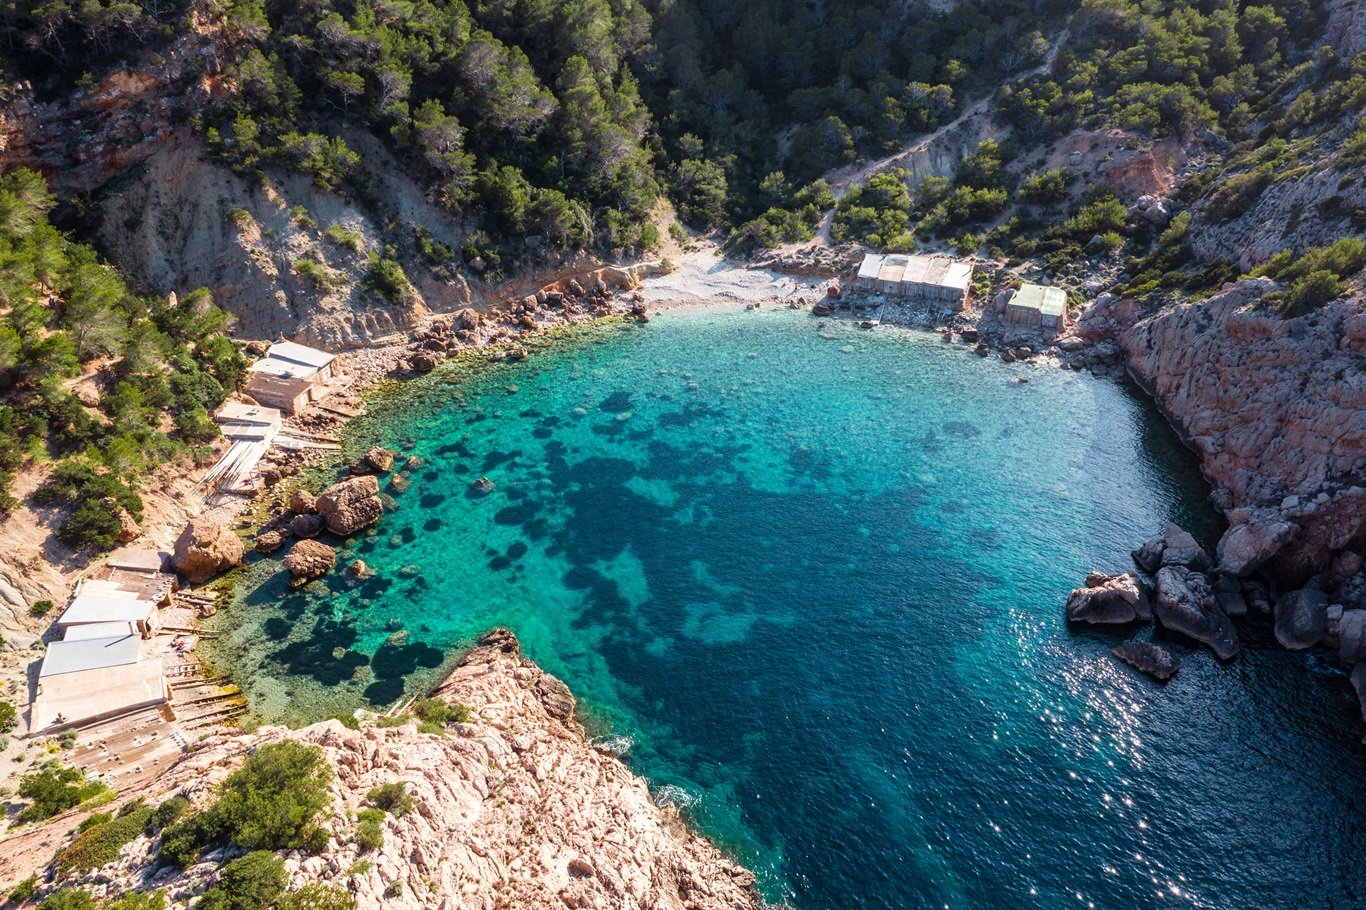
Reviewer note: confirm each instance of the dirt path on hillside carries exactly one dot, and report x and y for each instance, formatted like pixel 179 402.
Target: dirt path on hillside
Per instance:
pixel 844 179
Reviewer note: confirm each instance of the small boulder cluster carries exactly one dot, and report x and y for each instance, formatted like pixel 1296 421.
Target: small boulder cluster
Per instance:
pixel 558 304
pixel 1178 587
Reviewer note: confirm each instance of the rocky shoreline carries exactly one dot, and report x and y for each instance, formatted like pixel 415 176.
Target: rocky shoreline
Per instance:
pixel 513 807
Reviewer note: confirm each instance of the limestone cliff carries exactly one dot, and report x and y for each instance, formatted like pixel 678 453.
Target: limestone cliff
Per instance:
pixel 514 809
pixel 1275 407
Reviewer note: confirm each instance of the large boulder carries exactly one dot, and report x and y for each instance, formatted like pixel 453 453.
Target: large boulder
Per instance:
pixel 205 548
pixel 1181 549
pixel 269 542
pixel 307 560
pixel 351 505
pixel 1253 537
pixel 1186 604
pixel 1111 599
pixel 1301 618
pixel 1149 658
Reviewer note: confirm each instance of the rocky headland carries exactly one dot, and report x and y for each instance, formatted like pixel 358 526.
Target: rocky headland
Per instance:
pixel 514 808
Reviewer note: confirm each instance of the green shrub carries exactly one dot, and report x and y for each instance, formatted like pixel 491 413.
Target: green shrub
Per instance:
pixel 394 889
pixel 99 844
pixel 252 882
pixel 386 279
pixel 40 608
pixel 317 896
pixel 54 789
pixel 350 240
pixel 168 813
pixel 347 720
pixel 68 899
pixel 370 833
pixel 24 890
pixel 238 217
pixel 436 711
pixel 270 803
pixel 1237 194
pixel 392 798
pixel 9 717
pixel 384 722
pixel 299 215
pixel 320 276
pixel 138 900
pixel 1047 187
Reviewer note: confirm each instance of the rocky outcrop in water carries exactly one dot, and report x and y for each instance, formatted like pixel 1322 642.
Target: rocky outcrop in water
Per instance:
pixel 307 560
pixel 1109 599
pixel 1185 603
pixel 351 505
pixel 1149 658
pixel 205 548
pixel 513 809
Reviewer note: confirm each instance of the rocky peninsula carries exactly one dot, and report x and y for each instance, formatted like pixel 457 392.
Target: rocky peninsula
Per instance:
pixel 512 808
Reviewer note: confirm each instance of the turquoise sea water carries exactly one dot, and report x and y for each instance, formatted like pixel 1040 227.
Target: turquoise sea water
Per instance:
pixel 810 579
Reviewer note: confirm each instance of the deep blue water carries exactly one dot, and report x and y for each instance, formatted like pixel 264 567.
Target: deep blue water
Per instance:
pixel 814 577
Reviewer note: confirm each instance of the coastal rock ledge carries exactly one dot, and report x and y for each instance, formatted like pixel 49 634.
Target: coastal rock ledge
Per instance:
pixel 513 809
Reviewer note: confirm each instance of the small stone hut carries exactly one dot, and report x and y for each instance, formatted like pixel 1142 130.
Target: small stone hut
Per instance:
pixel 922 279
pixel 290 376
pixel 1037 305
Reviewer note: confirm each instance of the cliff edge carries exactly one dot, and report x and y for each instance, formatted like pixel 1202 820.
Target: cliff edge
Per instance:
pixel 512 809
pixel 1275 407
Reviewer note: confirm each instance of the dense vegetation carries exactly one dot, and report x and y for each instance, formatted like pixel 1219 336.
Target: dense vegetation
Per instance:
pixel 561 119
pixel 270 803
pixel 150 371
pixel 53 789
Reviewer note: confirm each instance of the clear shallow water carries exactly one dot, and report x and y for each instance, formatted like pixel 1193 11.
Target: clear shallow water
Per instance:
pixel 814 577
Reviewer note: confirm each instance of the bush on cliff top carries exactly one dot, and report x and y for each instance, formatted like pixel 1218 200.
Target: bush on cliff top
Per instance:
pixel 270 803
pixel 54 789
pixel 100 844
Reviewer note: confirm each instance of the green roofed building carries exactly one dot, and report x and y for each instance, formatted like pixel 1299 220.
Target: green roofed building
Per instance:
pixel 1037 305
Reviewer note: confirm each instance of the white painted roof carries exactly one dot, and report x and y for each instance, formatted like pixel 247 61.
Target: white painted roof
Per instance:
pixel 302 354
pixel 872 264
pixel 237 412
pixel 135 559
pixel 90 654
pixel 106 607
pixel 98 630
pixel 275 366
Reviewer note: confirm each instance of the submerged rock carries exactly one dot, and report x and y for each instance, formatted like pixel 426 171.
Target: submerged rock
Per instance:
pixel 1109 599
pixel 351 505
pixel 1186 604
pixel 205 548
pixel 1301 618
pixel 482 487
pixel 376 461
pixel 1229 594
pixel 1149 658
pixel 306 526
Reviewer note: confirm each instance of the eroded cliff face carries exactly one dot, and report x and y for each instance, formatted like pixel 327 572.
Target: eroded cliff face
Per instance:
pixel 168 226
pixel 515 809
pixel 1276 409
